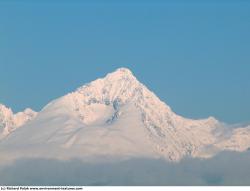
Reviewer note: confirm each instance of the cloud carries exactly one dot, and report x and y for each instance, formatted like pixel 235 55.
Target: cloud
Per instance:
pixel 227 168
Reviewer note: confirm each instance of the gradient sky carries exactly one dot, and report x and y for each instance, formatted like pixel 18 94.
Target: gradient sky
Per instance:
pixel 195 55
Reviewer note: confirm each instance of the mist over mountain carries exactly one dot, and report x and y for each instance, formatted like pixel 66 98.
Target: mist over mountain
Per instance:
pixel 226 168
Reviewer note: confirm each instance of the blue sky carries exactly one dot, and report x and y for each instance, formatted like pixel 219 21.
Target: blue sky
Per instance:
pixel 193 54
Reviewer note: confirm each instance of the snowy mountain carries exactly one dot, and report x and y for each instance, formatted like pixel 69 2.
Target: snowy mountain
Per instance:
pixel 115 116
pixel 9 122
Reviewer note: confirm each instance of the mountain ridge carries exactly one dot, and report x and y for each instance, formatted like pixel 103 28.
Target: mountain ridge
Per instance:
pixel 10 121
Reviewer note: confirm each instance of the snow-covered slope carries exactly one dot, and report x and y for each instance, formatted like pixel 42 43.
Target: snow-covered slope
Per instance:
pixel 9 122
pixel 117 116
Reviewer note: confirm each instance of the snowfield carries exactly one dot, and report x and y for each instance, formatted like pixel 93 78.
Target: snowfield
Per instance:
pixel 115 116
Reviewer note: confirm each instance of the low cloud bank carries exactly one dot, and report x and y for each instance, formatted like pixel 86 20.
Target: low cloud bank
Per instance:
pixel 227 168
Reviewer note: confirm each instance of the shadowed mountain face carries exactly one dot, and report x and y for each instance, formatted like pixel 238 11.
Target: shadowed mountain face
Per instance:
pixel 117 116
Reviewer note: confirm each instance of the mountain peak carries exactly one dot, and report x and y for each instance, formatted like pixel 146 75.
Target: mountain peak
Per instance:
pixel 120 74
pixel 2 107
pixel 10 121
pixel 120 84
pixel 123 71
pixel 5 111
